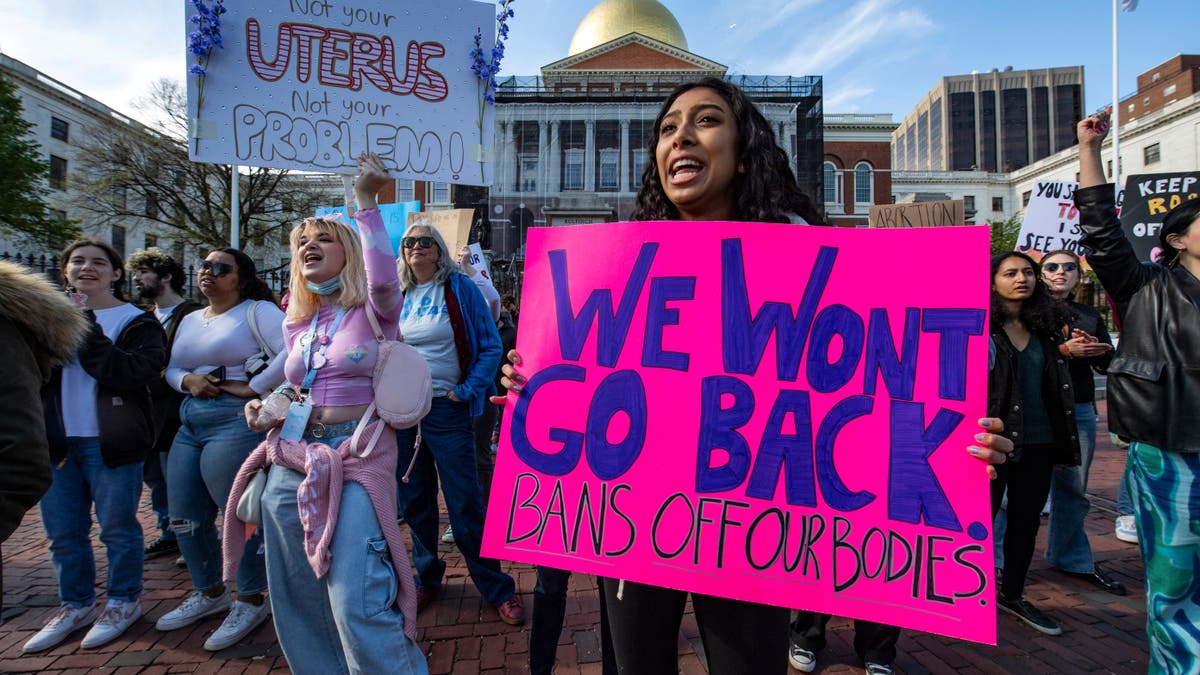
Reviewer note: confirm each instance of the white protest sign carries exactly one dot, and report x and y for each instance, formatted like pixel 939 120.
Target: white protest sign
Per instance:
pixel 310 84
pixel 478 261
pixel 1051 220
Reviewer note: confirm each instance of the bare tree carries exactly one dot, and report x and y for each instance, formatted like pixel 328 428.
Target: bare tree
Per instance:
pixel 137 171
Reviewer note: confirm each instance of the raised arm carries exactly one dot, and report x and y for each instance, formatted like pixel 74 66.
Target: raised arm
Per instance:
pixel 383 282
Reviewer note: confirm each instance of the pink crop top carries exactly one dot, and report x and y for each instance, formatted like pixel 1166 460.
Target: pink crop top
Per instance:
pixel 345 379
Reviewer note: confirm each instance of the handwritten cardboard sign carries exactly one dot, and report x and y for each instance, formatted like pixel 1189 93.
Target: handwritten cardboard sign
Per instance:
pixel 919 214
pixel 310 84
pixel 1149 197
pixel 454 224
pixel 1051 221
pixel 696 419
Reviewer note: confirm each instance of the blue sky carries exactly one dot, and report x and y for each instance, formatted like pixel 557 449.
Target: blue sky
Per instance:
pixel 877 56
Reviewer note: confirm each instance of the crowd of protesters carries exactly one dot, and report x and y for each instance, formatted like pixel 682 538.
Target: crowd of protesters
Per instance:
pixel 194 399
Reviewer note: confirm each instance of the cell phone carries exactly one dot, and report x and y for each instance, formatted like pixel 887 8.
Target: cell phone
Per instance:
pixel 218 372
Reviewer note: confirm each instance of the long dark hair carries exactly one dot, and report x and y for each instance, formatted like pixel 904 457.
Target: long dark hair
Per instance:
pixel 766 190
pixel 1040 313
pixel 250 285
pixel 1178 220
pixel 114 258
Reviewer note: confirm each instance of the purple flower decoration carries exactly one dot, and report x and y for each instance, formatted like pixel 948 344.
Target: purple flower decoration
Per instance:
pixel 486 68
pixel 207 34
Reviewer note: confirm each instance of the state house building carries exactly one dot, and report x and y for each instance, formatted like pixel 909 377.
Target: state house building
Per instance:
pixel 571 143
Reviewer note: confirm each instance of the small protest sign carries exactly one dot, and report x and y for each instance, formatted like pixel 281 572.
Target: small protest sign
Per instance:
pixel 1051 221
pixel 1148 198
pixel 311 84
pixel 697 420
pixel 395 217
pixel 454 224
pixel 479 261
pixel 918 214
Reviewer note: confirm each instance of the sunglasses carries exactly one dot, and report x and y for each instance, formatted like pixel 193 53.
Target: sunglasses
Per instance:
pixel 216 269
pixel 414 242
pixel 1066 267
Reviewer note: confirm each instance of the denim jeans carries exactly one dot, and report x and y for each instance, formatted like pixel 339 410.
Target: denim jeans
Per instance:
pixel 210 447
pixel 348 620
pixel 447 453
pixel 1067 545
pixel 82 481
pixel 156 480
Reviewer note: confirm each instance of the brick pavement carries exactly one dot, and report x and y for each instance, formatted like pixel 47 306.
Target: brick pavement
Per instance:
pixel 461 635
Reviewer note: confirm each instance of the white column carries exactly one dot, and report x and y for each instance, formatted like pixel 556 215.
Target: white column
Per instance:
pixel 789 128
pixel 555 160
pixel 589 157
pixel 543 158
pixel 624 171
pixel 510 158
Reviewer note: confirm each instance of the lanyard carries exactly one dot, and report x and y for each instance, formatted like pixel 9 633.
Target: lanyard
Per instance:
pixel 314 362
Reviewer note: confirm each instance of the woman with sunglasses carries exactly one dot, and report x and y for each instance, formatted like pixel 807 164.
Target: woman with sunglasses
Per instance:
pixel 99 424
pixel 734 171
pixel 1030 389
pixel 1154 395
pixel 447 320
pixel 209 365
pixel 341 588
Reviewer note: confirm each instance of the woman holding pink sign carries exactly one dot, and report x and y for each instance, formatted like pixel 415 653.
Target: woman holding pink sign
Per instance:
pixel 713 156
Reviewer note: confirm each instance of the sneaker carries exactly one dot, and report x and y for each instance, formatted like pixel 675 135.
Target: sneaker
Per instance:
pixel 194 607
pixel 243 618
pixel 117 616
pixel 64 622
pixel 181 563
pixel 879 668
pixel 1031 615
pixel 448 535
pixel 512 611
pixel 160 547
pixel 1126 529
pixel 802 659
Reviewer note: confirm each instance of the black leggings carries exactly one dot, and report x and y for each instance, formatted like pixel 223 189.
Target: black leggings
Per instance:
pixel 1028 483
pixel 740 638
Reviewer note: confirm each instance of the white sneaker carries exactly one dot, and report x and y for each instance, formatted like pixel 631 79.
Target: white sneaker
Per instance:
pixel 117 616
pixel 1126 529
pixel 802 659
pixel 195 606
pixel 64 622
pixel 243 618
pixel 448 535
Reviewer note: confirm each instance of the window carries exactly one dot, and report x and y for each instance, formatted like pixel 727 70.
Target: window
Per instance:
pixel 639 165
pixel 529 172
pixel 864 188
pixel 833 188
pixel 151 205
pixel 118 238
pixel 58 173
pixel 406 190
pixel 573 176
pixel 1108 168
pixel 609 176
pixel 151 241
pixel 1169 89
pixel 1151 154
pixel 439 193
pixel 57 214
pixel 969 203
pixel 1132 106
pixel 1025 198
pixel 998 204
pixel 60 129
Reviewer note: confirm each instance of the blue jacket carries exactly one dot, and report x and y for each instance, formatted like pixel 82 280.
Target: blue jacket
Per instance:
pixel 482 343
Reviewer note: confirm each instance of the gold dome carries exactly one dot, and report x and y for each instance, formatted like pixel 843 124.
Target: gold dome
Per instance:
pixel 612 19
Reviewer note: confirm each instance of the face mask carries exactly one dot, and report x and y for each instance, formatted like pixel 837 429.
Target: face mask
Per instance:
pixel 325 288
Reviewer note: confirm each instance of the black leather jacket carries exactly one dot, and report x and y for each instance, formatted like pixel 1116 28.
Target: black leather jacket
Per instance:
pixel 1154 378
pixel 1004 397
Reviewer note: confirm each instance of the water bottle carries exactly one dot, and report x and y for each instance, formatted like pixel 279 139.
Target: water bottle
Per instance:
pixel 275 407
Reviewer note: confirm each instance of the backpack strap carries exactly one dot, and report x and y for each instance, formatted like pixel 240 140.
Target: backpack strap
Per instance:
pixel 253 324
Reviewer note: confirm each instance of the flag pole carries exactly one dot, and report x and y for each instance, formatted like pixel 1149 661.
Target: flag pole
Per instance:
pixel 1116 111
pixel 235 211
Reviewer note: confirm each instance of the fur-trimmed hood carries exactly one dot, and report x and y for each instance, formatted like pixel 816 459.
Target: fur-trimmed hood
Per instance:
pixel 47 314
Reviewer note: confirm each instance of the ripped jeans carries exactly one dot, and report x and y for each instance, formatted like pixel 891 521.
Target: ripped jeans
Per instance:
pixel 210 447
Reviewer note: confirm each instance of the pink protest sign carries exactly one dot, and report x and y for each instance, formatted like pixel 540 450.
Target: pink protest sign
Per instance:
pixel 766 412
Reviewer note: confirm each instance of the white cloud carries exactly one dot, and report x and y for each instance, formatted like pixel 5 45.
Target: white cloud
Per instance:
pixel 846 98
pixel 852 36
